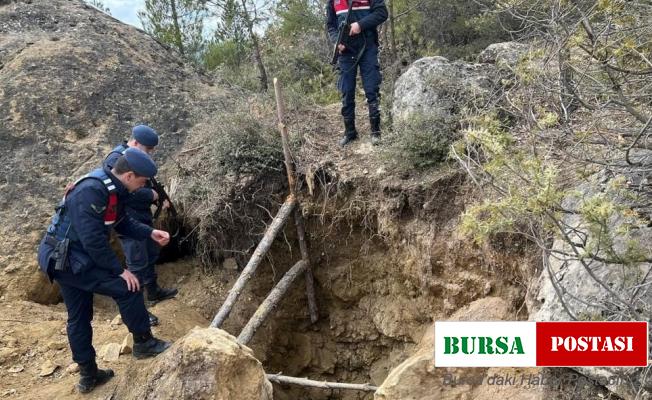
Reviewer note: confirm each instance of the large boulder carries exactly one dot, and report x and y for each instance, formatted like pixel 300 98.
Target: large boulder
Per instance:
pixel 439 89
pixel 417 377
pixel 205 364
pixel 585 297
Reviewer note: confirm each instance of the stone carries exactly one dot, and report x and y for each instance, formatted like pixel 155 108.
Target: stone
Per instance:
pixel 579 284
pixel 16 369
pixel 72 368
pixel 417 377
pixel 47 368
pixel 127 344
pixel 110 352
pixel 436 88
pixel 207 363
pixel 56 344
pixel 504 55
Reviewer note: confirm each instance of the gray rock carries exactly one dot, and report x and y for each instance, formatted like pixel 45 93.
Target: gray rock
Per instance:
pixel 597 303
pixel 439 88
pixel 504 55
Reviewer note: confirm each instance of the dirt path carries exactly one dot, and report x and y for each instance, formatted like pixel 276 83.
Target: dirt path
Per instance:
pixel 34 335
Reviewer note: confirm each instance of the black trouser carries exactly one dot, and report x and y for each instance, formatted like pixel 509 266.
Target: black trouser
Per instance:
pixel 77 292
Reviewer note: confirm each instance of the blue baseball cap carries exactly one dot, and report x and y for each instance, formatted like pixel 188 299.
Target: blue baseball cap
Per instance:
pixel 140 162
pixel 145 135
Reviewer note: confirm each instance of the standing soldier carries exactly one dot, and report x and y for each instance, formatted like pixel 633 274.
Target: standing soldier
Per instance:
pixel 141 255
pixel 76 253
pixel 359 47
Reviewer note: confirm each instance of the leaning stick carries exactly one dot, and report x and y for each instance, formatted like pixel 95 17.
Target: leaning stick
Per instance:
pixel 321 384
pixel 298 218
pixel 249 270
pixel 271 302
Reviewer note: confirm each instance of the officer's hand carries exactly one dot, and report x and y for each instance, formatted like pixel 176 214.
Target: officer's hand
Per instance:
pixel 155 195
pixel 166 204
pixel 355 29
pixel 160 237
pixel 132 282
pixel 340 48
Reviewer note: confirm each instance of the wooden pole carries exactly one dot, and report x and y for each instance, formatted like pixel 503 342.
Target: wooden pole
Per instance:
pixel 298 218
pixel 321 384
pixel 271 302
pixel 254 261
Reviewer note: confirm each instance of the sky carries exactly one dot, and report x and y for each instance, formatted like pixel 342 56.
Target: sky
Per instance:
pixel 126 10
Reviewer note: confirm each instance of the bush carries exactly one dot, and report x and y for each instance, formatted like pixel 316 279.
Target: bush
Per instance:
pixel 421 141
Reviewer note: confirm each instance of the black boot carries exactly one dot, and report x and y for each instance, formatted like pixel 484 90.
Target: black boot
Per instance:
pixel 156 293
pixel 90 376
pixel 146 345
pixel 375 130
pixel 153 319
pixel 350 134
pixel 374 122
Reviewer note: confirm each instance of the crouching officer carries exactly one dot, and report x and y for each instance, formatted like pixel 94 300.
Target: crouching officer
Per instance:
pixel 76 253
pixel 141 255
pixel 359 49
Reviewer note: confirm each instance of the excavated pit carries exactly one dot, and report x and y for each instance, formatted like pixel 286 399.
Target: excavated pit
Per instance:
pixel 380 282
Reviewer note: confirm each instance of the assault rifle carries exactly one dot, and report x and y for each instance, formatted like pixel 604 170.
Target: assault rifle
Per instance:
pixel 162 197
pixel 342 32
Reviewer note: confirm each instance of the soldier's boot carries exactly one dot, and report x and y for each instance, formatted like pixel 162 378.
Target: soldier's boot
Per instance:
pixel 153 319
pixel 350 134
pixel 374 122
pixel 155 293
pixel 375 130
pixel 90 376
pixel 146 345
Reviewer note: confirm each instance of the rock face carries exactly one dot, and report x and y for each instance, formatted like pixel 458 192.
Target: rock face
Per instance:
pixel 73 81
pixel 439 88
pixel 417 377
pixel 204 364
pixel 597 302
pixel 504 55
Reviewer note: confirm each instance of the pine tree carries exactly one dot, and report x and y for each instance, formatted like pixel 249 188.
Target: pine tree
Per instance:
pixel 179 23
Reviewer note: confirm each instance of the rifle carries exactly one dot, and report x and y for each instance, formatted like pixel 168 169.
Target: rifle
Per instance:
pixel 162 197
pixel 342 32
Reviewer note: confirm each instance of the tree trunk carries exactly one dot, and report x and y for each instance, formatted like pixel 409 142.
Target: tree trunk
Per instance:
pixel 177 30
pixel 262 74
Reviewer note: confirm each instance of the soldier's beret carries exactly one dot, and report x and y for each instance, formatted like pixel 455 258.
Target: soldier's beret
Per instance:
pixel 145 135
pixel 140 162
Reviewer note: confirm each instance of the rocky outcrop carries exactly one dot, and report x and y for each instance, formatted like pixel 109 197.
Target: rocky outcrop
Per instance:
pixel 584 296
pixel 439 88
pixel 204 364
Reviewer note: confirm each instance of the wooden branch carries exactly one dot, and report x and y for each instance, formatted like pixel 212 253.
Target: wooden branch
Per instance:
pixel 298 218
pixel 305 256
pixel 259 253
pixel 321 384
pixel 271 302
pixel 289 166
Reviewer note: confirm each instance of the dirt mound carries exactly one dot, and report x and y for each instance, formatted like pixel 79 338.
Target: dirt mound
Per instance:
pixel 73 81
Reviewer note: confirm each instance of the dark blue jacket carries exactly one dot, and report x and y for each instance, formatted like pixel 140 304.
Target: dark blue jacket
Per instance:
pixel 89 248
pixel 139 203
pixel 368 19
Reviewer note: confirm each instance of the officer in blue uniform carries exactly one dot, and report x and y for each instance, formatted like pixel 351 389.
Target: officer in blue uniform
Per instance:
pixel 359 50
pixel 141 255
pixel 75 252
